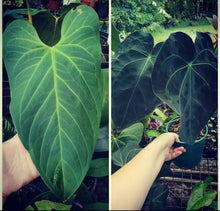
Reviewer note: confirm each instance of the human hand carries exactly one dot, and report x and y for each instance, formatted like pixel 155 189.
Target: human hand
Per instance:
pixel 165 141
pixel 18 168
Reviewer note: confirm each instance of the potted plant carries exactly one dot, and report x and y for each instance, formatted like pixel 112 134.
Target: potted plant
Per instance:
pixel 187 160
pixel 179 72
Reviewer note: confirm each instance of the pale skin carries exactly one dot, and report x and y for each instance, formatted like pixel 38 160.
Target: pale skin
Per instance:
pixel 131 183
pixel 18 168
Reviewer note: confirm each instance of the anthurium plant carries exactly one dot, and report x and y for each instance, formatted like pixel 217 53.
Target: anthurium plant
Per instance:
pixel 179 72
pixel 56 95
pixel 185 77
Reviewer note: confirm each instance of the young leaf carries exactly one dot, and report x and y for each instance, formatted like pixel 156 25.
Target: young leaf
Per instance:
pixel 56 96
pixel 185 77
pixel 200 199
pixel 49 205
pixel 132 134
pixel 152 133
pixel 124 154
pixel 132 94
pixel 98 168
pixel 115 38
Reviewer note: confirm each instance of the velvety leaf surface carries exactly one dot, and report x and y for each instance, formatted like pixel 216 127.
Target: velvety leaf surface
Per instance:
pixel 56 96
pixel 185 77
pixel 132 95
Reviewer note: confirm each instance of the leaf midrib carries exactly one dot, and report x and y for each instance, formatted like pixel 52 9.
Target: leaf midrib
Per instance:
pixel 57 109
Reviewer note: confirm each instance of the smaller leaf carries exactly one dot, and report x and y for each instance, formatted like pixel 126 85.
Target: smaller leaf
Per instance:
pixel 102 144
pixel 132 134
pixel 49 205
pixel 197 198
pixel 152 133
pixel 98 168
pixel 205 201
pixel 159 197
pixel 124 154
pixel 115 38
pixel 160 113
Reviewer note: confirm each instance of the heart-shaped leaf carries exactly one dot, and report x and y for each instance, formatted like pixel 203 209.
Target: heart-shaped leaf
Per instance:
pixel 185 77
pixel 124 154
pixel 56 96
pixel 132 95
pixel 48 26
pixel 131 135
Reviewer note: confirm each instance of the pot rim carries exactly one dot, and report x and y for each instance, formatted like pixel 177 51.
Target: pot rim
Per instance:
pixel 196 141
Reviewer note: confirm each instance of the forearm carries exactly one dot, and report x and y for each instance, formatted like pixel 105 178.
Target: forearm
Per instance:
pixel 130 184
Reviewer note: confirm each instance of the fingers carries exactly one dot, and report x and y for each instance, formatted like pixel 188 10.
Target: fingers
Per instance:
pixel 177 152
pixel 176 137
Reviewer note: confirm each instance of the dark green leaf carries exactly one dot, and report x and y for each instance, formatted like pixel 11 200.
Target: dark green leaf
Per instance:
pixel 132 134
pixel 132 94
pixel 56 96
pixel 97 206
pixel 18 13
pixel 48 26
pixel 214 205
pixel 98 168
pixel 158 197
pixel 102 143
pixel 187 81
pixel 83 195
pixel 124 154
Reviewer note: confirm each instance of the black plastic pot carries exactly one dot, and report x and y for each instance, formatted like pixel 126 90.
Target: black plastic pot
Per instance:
pixel 193 154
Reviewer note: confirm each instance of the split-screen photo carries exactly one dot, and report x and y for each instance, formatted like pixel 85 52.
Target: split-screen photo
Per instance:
pixel 109 105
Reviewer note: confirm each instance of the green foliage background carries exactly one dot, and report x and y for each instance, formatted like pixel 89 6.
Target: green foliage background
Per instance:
pixel 148 15
pixel 130 15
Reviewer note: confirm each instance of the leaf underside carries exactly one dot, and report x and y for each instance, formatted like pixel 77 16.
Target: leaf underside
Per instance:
pixel 56 96
pixel 185 77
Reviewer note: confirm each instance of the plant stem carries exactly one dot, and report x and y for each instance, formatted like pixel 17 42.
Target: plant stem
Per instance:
pixel 29 12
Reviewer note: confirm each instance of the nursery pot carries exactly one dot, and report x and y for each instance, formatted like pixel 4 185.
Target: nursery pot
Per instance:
pixel 193 154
